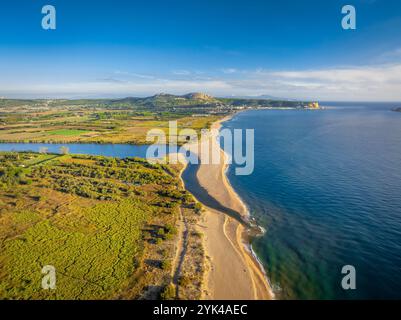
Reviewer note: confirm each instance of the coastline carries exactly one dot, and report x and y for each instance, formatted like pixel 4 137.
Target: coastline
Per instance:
pixel 234 272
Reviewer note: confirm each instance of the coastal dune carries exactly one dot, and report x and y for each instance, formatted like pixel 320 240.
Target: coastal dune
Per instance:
pixel 233 271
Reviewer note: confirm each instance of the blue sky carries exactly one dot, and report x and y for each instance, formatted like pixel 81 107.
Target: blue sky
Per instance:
pixel 288 48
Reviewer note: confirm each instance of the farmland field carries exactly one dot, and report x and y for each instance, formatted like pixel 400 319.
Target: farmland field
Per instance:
pixel 67 132
pixel 89 121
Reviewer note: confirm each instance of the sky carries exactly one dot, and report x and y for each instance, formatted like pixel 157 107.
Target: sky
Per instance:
pixel 294 49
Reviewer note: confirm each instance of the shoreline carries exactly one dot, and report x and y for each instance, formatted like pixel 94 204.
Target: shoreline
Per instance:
pixel 234 272
pixel 246 242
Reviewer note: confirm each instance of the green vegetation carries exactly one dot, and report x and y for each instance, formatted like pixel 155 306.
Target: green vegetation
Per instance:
pixel 184 280
pixel 102 179
pixel 99 221
pixel 101 121
pixel 168 292
pixel 116 121
pixel 198 207
pixel 93 255
pixel 66 132
pixel 166 265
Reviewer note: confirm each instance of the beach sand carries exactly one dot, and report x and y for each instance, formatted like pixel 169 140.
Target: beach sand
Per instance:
pixel 233 271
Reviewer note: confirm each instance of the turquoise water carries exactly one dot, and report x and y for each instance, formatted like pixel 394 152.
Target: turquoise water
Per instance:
pixel 327 188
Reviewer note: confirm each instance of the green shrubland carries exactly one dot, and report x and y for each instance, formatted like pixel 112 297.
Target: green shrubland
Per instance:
pixel 93 256
pixel 86 216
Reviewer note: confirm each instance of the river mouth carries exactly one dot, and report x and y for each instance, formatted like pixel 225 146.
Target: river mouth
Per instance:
pixel 126 150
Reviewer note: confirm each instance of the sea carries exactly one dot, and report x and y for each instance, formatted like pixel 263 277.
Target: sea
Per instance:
pixel 326 187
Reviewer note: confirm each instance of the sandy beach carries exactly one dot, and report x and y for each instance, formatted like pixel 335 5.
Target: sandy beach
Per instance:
pixel 233 272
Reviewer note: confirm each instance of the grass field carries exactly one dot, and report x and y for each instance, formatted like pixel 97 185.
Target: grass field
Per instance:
pixel 66 132
pixel 94 250
pixel 105 224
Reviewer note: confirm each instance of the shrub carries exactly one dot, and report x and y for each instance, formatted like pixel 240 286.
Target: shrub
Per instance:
pixel 25 181
pixel 166 264
pixel 198 207
pixel 168 292
pixel 171 229
pixel 184 281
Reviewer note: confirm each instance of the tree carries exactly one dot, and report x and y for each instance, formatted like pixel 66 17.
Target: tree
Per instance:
pixel 166 264
pixel 198 207
pixel 168 292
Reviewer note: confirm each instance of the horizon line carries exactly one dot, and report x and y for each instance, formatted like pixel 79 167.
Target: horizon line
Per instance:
pixel 178 95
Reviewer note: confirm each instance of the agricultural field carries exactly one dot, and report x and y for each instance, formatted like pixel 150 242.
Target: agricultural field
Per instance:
pixel 112 228
pixel 98 121
pixel 126 120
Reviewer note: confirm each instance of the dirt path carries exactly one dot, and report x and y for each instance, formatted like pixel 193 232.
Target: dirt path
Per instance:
pixel 181 250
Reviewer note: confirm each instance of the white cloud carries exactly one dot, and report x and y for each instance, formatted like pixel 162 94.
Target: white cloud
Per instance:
pixel 363 83
pixel 356 75
pixel 380 82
